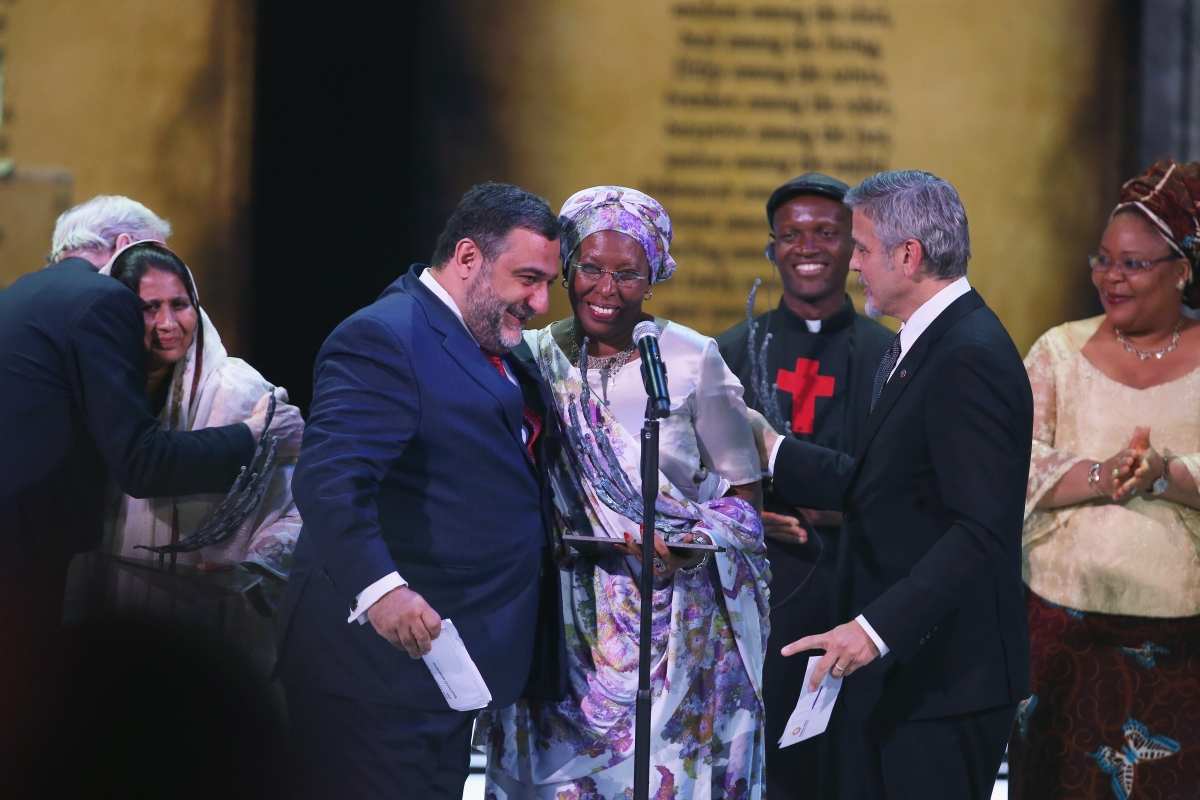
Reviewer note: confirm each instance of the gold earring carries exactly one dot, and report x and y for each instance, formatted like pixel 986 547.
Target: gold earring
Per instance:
pixel 648 295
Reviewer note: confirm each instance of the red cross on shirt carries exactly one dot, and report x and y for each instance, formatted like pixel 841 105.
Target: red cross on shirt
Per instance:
pixel 805 386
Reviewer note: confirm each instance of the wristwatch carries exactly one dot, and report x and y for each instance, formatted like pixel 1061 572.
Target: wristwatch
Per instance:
pixel 1164 481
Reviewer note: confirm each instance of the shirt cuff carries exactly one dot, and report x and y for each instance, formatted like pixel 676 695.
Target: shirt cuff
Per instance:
pixel 866 626
pixel 774 452
pixel 370 595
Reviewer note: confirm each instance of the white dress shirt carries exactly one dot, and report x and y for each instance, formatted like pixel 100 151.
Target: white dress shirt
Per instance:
pixel 910 331
pixel 924 316
pixel 431 283
pixel 369 596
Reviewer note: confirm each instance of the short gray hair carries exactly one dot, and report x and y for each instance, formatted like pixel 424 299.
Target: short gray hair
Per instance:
pixel 95 225
pixel 911 204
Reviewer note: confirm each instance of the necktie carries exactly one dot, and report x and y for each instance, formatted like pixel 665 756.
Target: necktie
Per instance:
pixel 533 422
pixel 885 369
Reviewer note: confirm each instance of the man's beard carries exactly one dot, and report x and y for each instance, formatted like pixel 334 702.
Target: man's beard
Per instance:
pixel 869 307
pixel 484 315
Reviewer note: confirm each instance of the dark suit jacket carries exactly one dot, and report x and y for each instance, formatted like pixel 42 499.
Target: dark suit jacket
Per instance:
pixel 413 462
pixel 932 505
pixel 73 410
pixel 847 349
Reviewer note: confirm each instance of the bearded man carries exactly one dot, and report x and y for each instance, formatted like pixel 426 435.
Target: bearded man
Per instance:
pixel 422 482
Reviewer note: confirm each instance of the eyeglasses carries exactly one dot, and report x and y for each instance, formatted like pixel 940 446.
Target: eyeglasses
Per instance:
pixel 625 278
pixel 1128 267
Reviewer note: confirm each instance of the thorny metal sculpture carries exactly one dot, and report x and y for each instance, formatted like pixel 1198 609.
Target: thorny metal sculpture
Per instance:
pixel 241 502
pixel 768 400
pixel 594 452
pixel 766 392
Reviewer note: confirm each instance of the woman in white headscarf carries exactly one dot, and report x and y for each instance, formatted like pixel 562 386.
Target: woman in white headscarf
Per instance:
pixel 710 615
pixel 193 384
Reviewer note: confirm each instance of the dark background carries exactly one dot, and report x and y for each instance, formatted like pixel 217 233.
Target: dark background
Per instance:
pixel 369 127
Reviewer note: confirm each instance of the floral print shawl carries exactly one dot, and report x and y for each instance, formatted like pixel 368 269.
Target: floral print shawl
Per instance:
pixel 709 635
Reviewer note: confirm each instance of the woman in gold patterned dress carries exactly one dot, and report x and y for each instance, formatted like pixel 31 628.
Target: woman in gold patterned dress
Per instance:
pixel 1112 526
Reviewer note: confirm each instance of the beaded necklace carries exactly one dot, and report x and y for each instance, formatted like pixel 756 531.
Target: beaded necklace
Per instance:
pixel 1146 355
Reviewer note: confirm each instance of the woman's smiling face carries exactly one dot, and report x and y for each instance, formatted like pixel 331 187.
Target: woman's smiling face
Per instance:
pixel 1135 302
pixel 170 318
pixel 606 311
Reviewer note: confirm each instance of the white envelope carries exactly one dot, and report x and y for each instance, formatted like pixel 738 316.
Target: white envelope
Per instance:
pixel 813 709
pixel 455 672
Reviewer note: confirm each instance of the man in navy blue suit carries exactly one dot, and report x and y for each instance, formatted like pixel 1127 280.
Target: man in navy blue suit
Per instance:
pixel 422 483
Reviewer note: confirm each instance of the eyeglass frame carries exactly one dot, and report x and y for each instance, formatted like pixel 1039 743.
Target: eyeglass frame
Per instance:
pixel 595 274
pixel 1123 266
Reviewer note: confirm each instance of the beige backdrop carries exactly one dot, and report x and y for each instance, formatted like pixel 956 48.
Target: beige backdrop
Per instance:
pixel 145 98
pixel 709 105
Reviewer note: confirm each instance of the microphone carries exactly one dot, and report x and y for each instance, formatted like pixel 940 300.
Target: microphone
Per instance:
pixel 654 371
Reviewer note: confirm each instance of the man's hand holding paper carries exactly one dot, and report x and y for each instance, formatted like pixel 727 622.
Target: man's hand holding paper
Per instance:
pixel 847 648
pixel 814 707
pixel 404 618
pixel 456 673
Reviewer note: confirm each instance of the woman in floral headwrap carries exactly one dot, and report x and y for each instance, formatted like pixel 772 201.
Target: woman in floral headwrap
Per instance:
pixel 710 616
pixel 1112 526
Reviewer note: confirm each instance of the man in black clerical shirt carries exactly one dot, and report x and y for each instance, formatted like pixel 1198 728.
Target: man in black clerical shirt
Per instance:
pixel 822 357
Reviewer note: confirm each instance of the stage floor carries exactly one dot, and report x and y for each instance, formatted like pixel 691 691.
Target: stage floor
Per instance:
pixel 474 788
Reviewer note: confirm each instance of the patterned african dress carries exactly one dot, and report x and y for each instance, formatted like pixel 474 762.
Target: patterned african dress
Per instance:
pixel 1113 594
pixel 710 625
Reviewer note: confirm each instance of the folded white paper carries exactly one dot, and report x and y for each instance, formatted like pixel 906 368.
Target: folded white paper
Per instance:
pixel 455 672
pixel 813 708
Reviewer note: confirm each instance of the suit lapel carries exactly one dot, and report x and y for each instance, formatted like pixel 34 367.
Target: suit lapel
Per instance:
pixel 537 396
pixel 906 370
pixel 535 390
pixel 461 346
pixel 540 399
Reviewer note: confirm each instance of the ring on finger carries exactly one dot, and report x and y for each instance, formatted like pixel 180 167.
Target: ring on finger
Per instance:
pixel 659 565
pixel 839 667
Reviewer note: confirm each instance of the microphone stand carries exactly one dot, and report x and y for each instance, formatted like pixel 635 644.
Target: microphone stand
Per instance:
pixel 641 740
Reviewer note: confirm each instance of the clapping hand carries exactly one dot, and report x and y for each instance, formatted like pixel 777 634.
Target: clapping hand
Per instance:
pixel 1115 479
pixel 1145 465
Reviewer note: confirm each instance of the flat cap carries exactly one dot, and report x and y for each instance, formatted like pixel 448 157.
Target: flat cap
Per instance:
pixel 809 183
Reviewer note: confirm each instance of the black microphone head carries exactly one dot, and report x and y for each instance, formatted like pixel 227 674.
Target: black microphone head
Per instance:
pixel 644 329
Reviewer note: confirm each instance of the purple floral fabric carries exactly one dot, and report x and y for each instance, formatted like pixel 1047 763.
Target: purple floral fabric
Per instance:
pixel 709 633
pixel 627 211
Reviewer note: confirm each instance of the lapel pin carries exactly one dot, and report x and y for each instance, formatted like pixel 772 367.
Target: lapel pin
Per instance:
pixel 903 372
